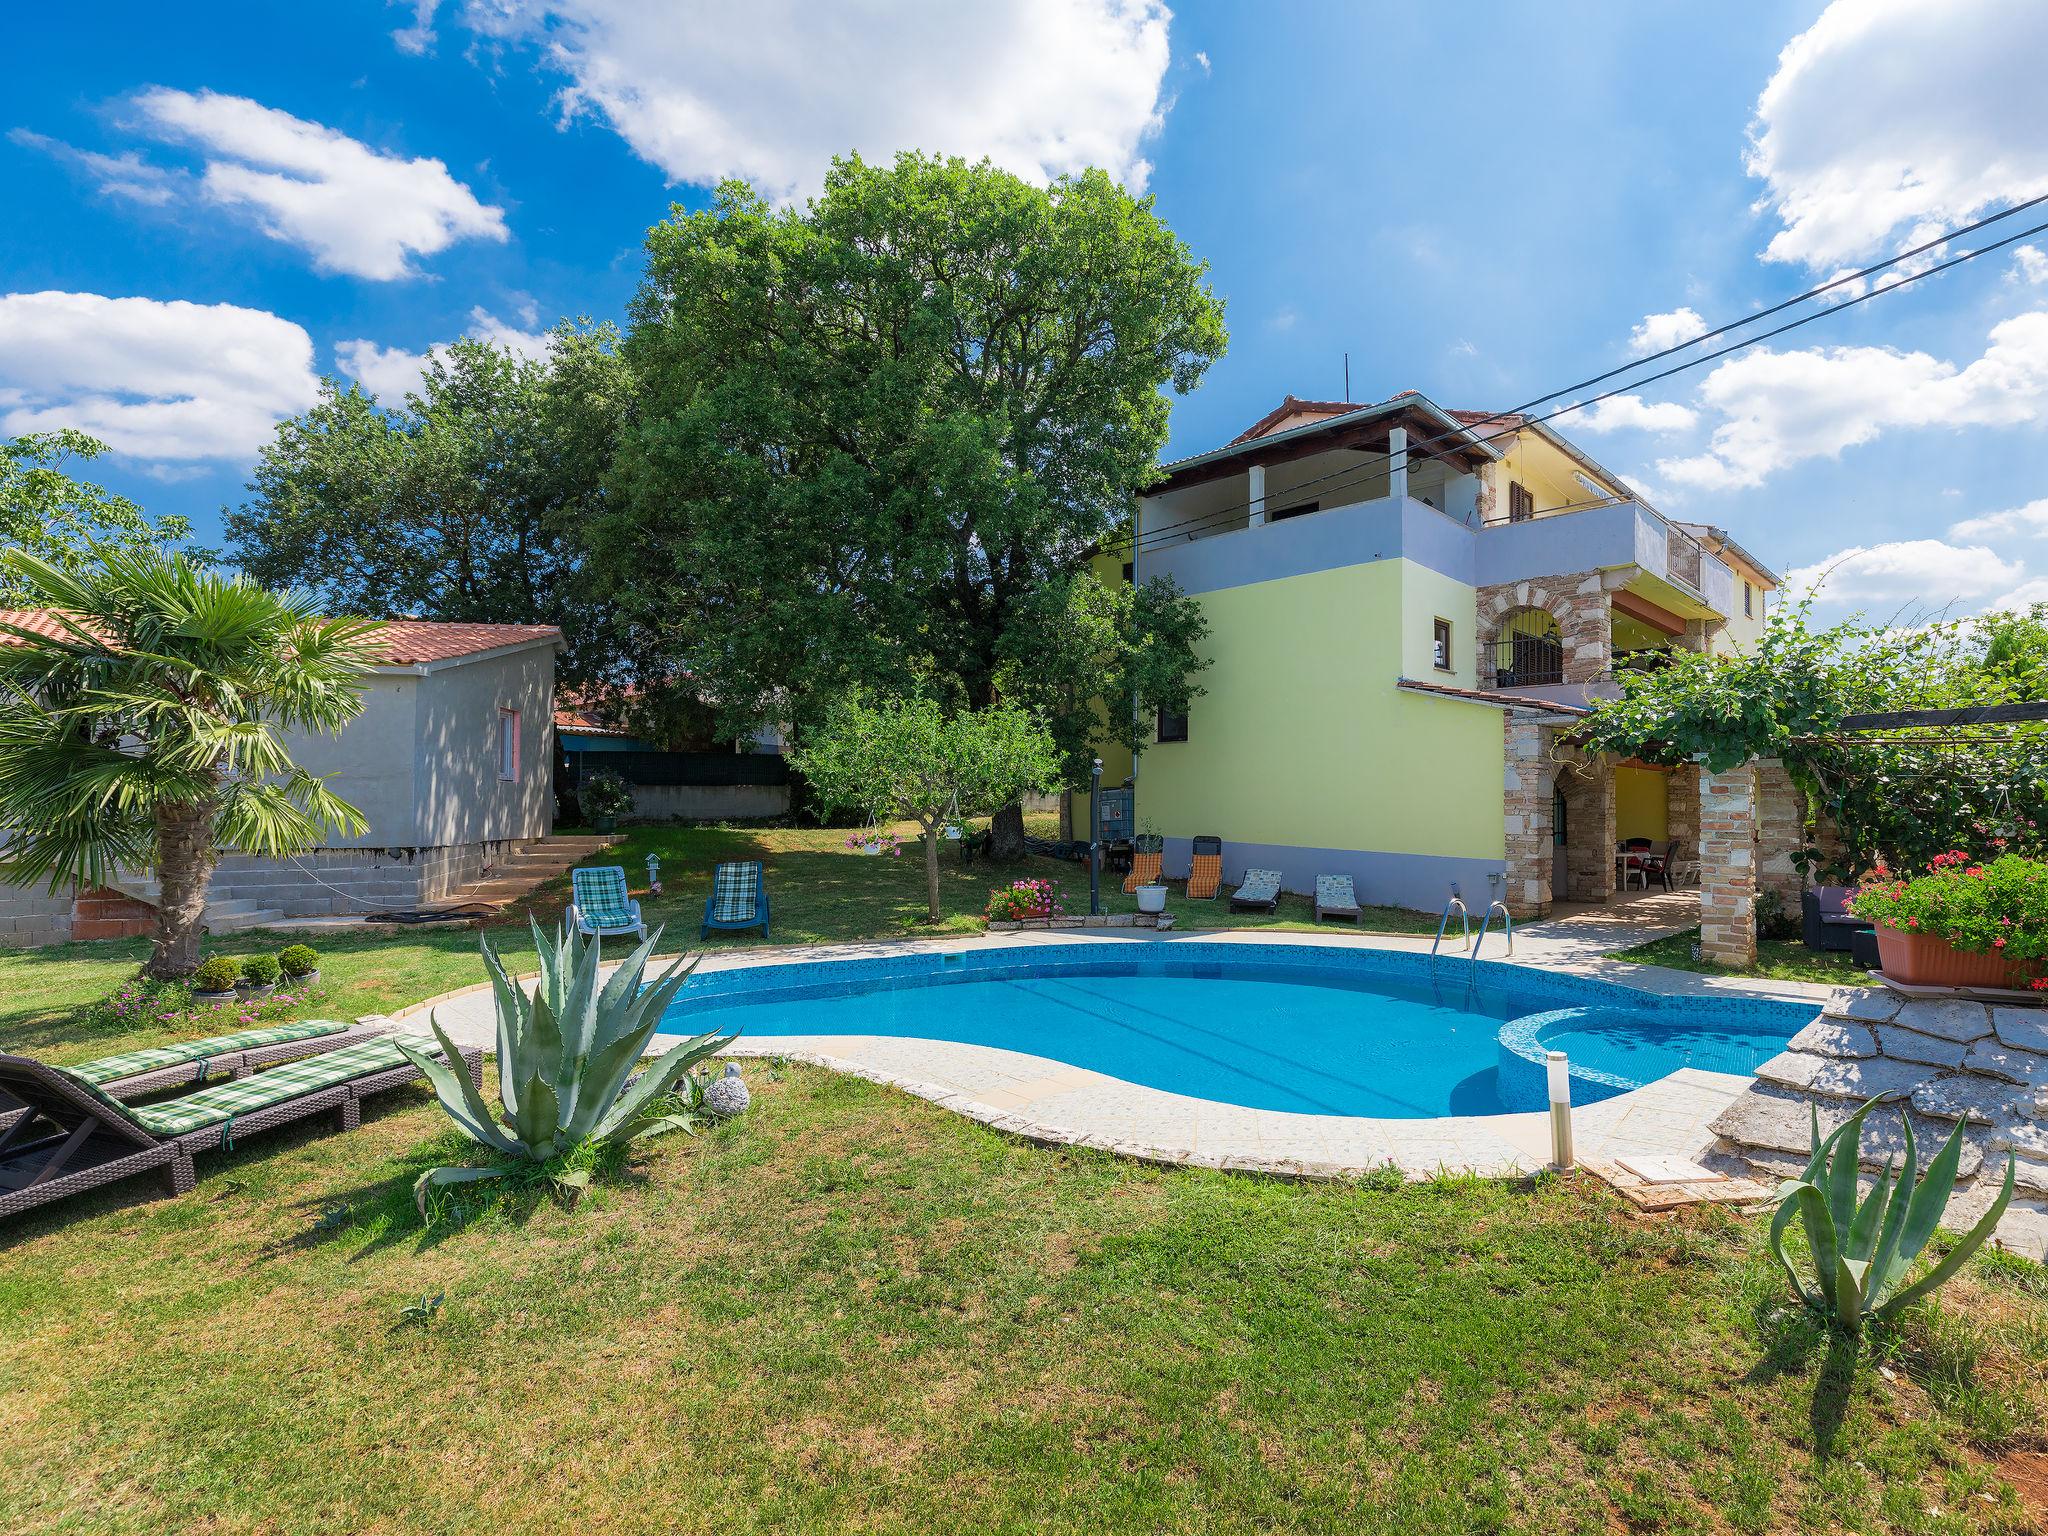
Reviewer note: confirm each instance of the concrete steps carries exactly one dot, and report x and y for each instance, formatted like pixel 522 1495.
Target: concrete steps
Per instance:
pixel 221 916
pixel 533 866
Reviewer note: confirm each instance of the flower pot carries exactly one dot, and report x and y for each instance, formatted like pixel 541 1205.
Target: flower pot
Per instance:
pixel 213 997
pixel 1152 899
pixel 604 823
pixel 310 979
pixel 1924 960
pixel 248 991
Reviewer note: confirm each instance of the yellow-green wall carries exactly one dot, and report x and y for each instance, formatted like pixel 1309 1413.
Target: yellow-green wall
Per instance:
pixel 1108 568
pixel 1302 738
pixel 1641 803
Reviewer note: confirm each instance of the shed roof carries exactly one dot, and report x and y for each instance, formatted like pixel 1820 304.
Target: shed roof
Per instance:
pixel 404 642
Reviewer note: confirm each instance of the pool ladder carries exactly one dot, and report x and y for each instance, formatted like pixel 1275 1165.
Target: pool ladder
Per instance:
pixel 1455 904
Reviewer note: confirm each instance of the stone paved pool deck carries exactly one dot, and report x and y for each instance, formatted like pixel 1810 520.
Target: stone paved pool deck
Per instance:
pixel 1055 1103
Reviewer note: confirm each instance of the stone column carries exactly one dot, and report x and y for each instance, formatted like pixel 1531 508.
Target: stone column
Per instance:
pixel 1587 784
pixel 1780 833
pixel 1531 778
pixel 1682 809
pixel 1588 630
pixel 1728 866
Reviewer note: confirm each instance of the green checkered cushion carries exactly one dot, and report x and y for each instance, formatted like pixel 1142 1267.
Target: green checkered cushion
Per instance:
pixel 108 1069
pixel 1335 891
pixel 210 1106
pixel 1259 885
pixel 601 896
pixel 735 893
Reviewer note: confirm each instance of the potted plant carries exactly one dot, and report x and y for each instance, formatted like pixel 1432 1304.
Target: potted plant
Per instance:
pixel 874 844
pixel 259 977
pixel 1025 901
pixel 606 797
pixel 300 965
pixel 214 981
pixel 1152 897
pixel 1963 923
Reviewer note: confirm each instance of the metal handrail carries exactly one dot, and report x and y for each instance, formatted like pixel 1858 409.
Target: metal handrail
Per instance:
pixel 1508 923
pixel 1464 920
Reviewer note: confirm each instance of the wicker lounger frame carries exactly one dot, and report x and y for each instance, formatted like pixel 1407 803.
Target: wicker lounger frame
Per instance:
pixel 124 1149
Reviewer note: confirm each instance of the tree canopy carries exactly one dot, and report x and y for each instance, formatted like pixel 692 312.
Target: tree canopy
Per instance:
pixel 56 518
pixel 877 435
pixel 909 758
pixel 465 502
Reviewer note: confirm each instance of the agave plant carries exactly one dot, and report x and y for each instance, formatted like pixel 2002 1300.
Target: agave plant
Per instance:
pixel 1861 1251
pixel 565 1057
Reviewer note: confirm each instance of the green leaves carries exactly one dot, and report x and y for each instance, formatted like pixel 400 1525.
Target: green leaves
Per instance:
pixel 57 519
pixel 1861 1252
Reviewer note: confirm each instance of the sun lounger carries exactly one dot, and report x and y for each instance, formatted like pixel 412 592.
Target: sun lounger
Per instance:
pixel 1144 871
pixel 1258 892
pixel 1205 871
pixel 600 905
pixel 74 1136
pixel 1336 897
pixel 739 898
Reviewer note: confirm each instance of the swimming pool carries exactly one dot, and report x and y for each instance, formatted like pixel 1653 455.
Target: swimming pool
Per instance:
pixel 1308 1029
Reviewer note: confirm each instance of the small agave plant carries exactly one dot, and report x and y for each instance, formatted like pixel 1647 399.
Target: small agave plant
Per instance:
pixel 1862 1250
pixel 564 1060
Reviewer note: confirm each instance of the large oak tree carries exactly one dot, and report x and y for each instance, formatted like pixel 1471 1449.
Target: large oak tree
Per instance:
pixel 877 435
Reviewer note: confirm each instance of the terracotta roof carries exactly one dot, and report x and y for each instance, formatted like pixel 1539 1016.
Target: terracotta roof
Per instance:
pixel 574 712
pixel 1291 406
pixel 1492 696
pixel 407 642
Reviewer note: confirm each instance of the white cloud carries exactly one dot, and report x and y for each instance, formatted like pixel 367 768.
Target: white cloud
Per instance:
pixel 1203 60
pixel 1632 413
pixel 1930 575
pixel 162 380
pixel 2029 265
pixel 2023 596
pixel 1778 408
pixel 124 175
pixel 392 373
pixel 771 91
pixel 1888 120
pixel 1659 333
pixel 2028 521
pixel 419 37
pixel 355 209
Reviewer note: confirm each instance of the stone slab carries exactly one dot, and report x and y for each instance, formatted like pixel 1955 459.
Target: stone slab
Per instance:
pixel 1767 1121
pixel 1834 1037
pixel 1981 1100
pixel 1863 1005
pixel 1953 1020
pixel 2024 1029
pixel 1858 1080
pixel 1995 1060
pixel 1911 1045
pixel 2025 1139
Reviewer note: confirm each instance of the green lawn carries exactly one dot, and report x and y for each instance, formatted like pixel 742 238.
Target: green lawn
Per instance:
pixel 853 1311
pixel 1776 959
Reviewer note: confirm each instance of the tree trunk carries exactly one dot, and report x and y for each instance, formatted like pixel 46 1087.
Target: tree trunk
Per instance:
pixel 931 871
pixel 1006 834
pixel 1066 815
pixel 185 858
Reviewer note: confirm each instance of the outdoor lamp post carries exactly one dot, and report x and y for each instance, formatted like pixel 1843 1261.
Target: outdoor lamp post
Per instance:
pixel 1095 839
pixel 1558 1075
pixel 654 874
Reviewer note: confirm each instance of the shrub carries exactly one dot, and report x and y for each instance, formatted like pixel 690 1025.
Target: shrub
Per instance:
pixel 215 974
pixel 2001 906
pixel 297 960
pixel 605 794
pixel 261 970
pixel 1022 900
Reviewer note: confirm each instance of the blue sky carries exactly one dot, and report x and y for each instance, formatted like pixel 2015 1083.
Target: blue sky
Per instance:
pixel 1483 204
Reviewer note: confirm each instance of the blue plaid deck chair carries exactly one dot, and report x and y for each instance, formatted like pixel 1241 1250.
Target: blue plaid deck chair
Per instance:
pixel 739 898
pixel 601 905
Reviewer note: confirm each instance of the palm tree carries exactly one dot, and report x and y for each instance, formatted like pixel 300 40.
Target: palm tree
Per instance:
pixel 139 726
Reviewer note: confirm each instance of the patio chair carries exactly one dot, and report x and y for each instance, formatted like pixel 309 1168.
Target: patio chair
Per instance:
pixel 1259 891
pixel 73 1136
pixel 1144 871
pixel 1205 871
pixel 739 898
pixel 1681 865
pixel 1826 921
pixel 133 1073
pixel 1337 897
pixel 599 904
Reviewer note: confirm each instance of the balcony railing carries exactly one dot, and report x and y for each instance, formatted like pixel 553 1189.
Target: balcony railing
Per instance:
pixel 1523 661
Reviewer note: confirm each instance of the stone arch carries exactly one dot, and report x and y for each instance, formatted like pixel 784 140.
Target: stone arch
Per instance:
pixel 1579 607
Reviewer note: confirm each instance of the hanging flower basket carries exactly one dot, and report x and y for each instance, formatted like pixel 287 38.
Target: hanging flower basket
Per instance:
pixel 875 844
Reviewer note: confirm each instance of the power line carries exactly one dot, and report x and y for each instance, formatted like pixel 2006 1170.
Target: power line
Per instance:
pixel 1355 473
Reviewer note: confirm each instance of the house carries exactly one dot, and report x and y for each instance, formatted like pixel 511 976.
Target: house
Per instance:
pixel 1408 607
pixel 451 763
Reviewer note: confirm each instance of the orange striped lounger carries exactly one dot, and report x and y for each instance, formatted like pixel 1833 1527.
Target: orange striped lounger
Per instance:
pixel 1144 871
pixel 1205 874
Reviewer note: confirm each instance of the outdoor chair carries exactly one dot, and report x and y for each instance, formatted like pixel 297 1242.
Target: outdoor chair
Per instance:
pixel 1336 897
pixel 1144 871
pixel 1205 870
pixel 1656 863
pixel 739 898
pixel 1259 891
pixel 72 1136
pixel 1826 923
pixel 1681 866
pixel 599 904
pixel 1630 857
pixel 134 1073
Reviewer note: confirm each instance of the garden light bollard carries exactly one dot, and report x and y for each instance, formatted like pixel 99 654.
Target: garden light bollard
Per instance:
pixel 654 874
pixel 1095 839
pixel 1559 1073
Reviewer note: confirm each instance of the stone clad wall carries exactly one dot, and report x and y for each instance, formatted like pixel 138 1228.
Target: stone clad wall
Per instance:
pixel 1587 783
pixel 1780 833
pixel 1682 810
pixel 1728 866
pixel 1526 816
pixel 1949 1063
pixel 1578 603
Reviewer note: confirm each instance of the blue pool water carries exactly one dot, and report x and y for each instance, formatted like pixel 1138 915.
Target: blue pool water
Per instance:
pixel 1334 1032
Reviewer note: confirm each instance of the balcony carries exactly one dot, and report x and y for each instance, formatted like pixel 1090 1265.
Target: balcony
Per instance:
pixel 1608 535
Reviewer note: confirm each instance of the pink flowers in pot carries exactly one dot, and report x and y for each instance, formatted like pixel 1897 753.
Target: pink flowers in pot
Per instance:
pixel 1025 900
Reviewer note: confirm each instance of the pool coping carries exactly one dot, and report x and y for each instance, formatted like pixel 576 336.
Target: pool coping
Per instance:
pixel 1055 1103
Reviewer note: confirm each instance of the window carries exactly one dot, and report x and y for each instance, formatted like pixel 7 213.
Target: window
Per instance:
pixel 1521 504
pixel 508 743
pixel 1130 570
pixel 1301 511
pixel 1443 645
pixel 1748 600
pixel 1173 727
